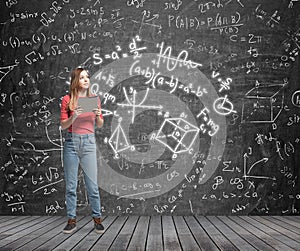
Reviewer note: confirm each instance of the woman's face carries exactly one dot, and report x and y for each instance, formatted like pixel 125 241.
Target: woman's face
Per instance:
pixel 84 80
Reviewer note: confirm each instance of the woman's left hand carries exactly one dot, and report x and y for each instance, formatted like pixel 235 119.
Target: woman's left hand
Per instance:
pixel 99 118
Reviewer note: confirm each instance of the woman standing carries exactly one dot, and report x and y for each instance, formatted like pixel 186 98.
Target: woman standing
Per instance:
pixel 80 148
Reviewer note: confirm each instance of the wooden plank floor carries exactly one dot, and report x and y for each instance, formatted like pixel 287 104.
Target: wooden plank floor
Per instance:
pixel 153 233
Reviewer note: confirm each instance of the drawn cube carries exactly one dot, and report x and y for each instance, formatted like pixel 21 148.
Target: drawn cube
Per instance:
pixel 177 134
pixel 263 104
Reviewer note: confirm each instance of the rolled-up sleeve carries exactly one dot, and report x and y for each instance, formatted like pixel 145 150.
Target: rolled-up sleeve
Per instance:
pixel 64 114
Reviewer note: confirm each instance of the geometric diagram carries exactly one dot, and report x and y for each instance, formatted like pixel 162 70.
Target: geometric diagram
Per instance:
pixel 118 140
pixel 6 69
pixel 223 106
pixel 263 104
pixel 123 186
pixel 180 135
pixel 249 172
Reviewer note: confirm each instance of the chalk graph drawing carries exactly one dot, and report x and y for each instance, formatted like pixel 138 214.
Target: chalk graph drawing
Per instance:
pixel 132 103
pixel 148 29
pixel 180 136
pixel 263 103
pixel 251 171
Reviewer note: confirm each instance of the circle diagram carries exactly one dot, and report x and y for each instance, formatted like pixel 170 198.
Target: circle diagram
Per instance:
pixel 152 126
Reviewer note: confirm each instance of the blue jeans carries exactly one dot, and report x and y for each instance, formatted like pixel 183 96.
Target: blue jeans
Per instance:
pixel 81 149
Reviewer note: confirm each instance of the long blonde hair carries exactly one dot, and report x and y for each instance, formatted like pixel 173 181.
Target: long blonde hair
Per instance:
pixel 74 87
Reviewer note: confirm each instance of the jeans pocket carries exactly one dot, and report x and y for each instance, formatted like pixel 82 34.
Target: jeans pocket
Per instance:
pixel 92 140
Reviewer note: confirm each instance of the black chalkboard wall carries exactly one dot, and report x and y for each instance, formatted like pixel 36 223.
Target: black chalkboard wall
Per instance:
pixel 201 102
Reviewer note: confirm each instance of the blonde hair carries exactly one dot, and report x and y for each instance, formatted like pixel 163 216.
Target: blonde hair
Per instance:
pixel 74 87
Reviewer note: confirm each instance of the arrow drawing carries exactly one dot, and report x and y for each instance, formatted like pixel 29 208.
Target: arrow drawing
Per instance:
pixel 253 166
